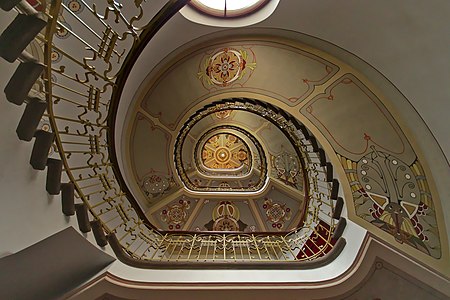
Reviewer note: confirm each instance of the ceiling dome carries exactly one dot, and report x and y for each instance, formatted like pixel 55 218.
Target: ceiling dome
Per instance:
pixel 265 91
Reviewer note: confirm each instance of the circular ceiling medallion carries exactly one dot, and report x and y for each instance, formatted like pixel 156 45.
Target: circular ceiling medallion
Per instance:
pixel 225 67
pixel 155 185
pixel 224 158
pixel 225 151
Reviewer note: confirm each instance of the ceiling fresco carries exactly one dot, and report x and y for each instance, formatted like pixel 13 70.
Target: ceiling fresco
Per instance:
pixel 388 183
pixel 264 185
pixel 252 136
pixel 388 189
pixel 225 152
pixel 221 160
pixel 292 78
pixel 277 210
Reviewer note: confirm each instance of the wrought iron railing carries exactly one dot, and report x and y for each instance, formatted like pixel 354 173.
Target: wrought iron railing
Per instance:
pixel 87 59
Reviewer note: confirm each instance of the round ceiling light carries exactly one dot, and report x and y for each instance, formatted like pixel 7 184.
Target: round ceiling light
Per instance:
pixel 227 8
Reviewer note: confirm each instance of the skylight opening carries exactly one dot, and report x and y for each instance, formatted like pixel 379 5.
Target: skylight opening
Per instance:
pixel 228 8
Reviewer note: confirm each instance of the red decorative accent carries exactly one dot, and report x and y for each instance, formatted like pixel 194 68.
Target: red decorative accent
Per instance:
pixel 418 228
pixel 363 192
pixel 376 211
pixel 319 242
pixel 346 81
pixel 36 5
pixel 422 209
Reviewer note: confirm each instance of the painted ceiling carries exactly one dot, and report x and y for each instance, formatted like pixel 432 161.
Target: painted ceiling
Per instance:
pixel 233 170
pixel 385 181
pixel 267 189
pixel 343 110
pixel 258 182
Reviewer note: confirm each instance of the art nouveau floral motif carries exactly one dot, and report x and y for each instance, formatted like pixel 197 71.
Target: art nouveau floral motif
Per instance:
pixel 175 215
pixel 225 151
pixel 396 198
pixel 155 185
pixel 286 168
pixel 225 66
pixel 277 213
pixel 226 217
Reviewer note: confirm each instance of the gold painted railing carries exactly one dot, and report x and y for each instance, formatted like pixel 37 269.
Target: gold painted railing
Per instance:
pixel 89 49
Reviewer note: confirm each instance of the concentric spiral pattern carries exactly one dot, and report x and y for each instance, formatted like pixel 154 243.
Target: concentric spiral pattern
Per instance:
pixel 226 157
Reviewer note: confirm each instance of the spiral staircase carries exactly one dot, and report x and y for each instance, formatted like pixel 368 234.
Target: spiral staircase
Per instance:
pixel 71 111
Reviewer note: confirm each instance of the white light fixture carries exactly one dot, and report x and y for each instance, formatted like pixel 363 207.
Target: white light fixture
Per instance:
pixel 227 8
pixel 229 13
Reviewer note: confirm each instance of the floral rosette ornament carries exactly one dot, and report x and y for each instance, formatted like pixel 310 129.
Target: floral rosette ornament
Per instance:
pixel 225 66
pixel 276 213
pixel 175 215
pixel 155 185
